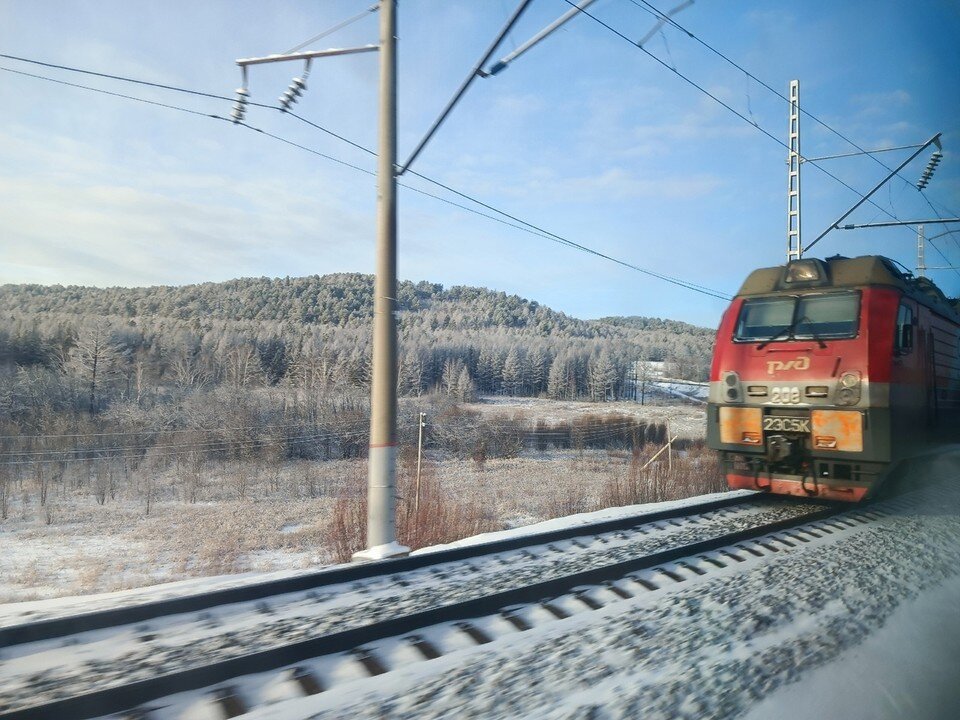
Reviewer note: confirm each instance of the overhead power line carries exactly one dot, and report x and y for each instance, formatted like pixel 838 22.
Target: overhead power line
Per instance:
pixel 667 18
pixel 720 102
pixel 516 223
pixel 339 26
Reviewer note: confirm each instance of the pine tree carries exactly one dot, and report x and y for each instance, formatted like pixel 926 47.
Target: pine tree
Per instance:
pixel 466 388
pixel 602 377
pixel 512 375
pixel 558 387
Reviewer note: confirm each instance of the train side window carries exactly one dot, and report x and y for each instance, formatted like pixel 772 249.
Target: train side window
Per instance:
pixel 904 339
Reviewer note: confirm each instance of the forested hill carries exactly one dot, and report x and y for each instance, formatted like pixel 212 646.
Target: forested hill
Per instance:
pixel 342 300
pixel 165 343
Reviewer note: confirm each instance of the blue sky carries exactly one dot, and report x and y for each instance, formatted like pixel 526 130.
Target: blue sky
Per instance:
pixel 584 136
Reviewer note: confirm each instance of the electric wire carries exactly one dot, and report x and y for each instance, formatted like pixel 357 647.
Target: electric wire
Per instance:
pixel 720 102
pixel 530 227
pixel 193 445
pixel 540 232
pixel 181 448
pixel 871 153
pixel 149 431
pixel 345 429
pixel 583 432
pixel 339 26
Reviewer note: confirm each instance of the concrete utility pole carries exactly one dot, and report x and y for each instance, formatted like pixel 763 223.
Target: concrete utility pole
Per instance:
pixel 416 503
pixel 381 477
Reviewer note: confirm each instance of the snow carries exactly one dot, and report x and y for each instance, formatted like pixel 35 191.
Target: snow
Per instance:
pixel 859 624
pixel 382 552
pixel 908 669
pixel 583 519
pixel 695 392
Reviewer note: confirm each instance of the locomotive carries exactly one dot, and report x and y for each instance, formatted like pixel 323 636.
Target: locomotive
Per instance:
pixel 827 373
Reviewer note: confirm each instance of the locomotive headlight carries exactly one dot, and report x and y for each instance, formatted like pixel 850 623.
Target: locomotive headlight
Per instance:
pixel 848 391
pixel 802 271
pixel 732 392
pixel 850 380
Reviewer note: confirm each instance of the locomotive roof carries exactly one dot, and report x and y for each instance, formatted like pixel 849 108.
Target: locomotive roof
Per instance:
pixel 864 271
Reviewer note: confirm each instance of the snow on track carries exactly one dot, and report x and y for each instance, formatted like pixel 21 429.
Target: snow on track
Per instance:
pixel 710 648
pixel 102 658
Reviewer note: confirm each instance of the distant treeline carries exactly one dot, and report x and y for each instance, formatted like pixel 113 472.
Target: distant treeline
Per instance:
pixel 66 352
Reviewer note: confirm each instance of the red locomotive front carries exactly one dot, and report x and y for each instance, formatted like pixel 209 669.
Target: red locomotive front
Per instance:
pixel 825 373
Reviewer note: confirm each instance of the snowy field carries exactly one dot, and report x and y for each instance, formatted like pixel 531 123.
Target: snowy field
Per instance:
pixel 686 420
pixel 865 625
pixel 86 547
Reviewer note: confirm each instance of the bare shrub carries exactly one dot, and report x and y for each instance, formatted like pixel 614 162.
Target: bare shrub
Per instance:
pixel 102 482
pixel 695 472
pixel 4 492
pixel 441 516
pixel 311 481
pixel 42 480
pixel 241 479
pixel 479 455
pixel 344 534
pixel 570 501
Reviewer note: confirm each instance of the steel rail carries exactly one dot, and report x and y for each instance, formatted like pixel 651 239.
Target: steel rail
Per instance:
pixel 51 628
pixel 122 698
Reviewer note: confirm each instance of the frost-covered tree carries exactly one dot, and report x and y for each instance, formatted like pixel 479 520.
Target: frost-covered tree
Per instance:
pixel 94 358
pixel 512 375
pixel 466 388
pixel 602 377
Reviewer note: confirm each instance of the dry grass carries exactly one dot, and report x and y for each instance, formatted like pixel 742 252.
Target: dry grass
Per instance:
pixel 221 518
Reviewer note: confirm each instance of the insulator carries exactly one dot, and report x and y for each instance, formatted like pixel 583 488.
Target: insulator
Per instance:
pixel 240 107
pixel 297 86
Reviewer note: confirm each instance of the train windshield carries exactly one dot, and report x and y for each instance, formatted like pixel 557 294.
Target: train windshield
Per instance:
pixel 804 317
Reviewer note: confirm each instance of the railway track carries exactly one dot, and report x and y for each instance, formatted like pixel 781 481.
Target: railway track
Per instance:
pixel 110 668
pixel 71 624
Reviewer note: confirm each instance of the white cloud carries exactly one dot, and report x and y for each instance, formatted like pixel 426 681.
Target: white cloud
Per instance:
pixel 70 216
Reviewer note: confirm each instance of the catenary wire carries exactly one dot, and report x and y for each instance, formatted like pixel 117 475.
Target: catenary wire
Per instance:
pixel 871 153
pixel 747 120
pixel 720 102
pixel 339 26
pixel 216 96
pixel 533 229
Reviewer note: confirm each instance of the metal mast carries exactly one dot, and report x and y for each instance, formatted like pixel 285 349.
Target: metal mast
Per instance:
pixel 921 262
pixel 794 246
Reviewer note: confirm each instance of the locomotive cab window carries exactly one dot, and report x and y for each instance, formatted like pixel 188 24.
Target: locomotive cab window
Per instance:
pixel 904 337
pixel 805 317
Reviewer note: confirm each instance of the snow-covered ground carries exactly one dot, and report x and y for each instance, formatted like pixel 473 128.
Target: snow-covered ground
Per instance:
pixel 909 668
pixel 686 421
pixel 864 624
pixel 694 392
